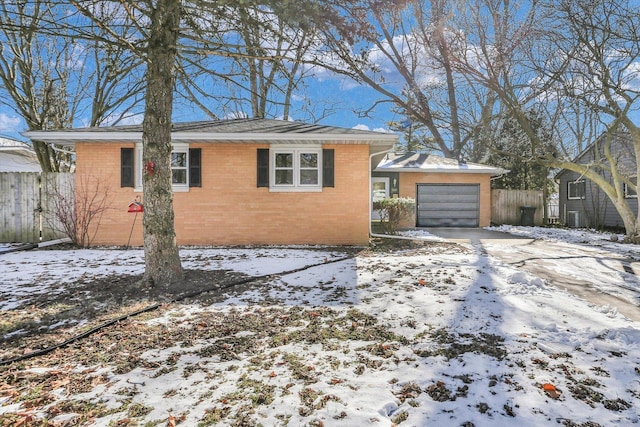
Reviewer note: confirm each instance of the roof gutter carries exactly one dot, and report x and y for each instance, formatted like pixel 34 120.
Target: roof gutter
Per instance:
pixel 60 150
pixel 504 172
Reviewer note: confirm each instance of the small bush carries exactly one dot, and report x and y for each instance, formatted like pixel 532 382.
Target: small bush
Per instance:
pixel 77 206
pixel 392 210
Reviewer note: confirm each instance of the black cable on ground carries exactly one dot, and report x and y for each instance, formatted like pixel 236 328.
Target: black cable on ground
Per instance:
pixel 26 247
pixel 78 337
pixel 153 307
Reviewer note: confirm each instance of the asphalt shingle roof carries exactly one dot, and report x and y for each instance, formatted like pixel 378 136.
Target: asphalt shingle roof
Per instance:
pixel 231 126
pixel 220 130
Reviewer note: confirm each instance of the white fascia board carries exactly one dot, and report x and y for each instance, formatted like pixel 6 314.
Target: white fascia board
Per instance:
pixel 70 138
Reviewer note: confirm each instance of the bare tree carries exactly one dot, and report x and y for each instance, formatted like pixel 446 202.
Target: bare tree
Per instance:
pixel 560 53
pixel 77 205
pixel 51 77
pixel 405 51
pixel 254 64
pixel 118 84
pixel 275 68
pixel 34 74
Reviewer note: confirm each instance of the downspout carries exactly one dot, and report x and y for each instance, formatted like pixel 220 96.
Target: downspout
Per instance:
pixel 60 150
pixel 371 233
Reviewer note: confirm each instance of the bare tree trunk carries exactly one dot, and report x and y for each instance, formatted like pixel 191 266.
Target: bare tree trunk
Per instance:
pixel 43 151
pixel 162 261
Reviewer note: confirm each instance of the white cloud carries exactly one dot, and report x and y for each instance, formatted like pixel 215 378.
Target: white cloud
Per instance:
pixel 115 119
pixel 382 130
pixel 632 77
pixel 9 123
pixel 367 128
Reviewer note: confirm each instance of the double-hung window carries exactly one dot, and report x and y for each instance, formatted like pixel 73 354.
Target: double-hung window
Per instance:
pixel 629 193
pixel 296 169
pixel 576 190
pixel 185 167
pixel 179 167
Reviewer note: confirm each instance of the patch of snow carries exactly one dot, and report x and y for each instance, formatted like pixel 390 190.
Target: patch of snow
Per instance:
pixel 420 234
pixel 483 336
pixel 570 235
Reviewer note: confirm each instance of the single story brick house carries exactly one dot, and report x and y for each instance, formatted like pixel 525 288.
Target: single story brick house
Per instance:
pixel 238 182
pixel 448 192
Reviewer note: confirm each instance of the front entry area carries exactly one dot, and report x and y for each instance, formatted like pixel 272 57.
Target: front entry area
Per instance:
pixel 379 190
pixel 448 205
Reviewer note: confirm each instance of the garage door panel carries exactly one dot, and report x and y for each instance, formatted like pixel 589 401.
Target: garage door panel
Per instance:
pixel 469 206
pixel 463 222
pixel 448 205
pixel 445 189
pixel 443 214
pixel 449 222
pixel 449 198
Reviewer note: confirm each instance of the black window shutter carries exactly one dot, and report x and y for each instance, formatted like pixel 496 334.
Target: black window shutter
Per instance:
pixel 195 167
pixel 126 167
pixel 263 167
pixel 327 168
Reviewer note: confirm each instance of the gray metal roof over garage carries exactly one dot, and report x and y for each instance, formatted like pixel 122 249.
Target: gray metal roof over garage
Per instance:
pixel 420 162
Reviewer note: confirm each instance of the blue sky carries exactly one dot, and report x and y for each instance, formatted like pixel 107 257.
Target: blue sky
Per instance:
pixel 10 123
pixel 345 97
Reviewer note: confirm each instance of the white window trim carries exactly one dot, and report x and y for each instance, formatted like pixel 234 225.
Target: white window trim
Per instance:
pixel 626 192
pixel 138 170
pixel 296 151
pixel 575 183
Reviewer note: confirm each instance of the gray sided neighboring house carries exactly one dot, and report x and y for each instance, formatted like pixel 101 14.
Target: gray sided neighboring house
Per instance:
pixel 584 204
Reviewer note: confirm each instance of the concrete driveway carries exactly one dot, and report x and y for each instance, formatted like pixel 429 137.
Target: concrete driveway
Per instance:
pixel 598 275
pixel 470 235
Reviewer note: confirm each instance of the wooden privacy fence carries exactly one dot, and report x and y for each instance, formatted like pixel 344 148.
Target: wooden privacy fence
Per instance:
pixel 28 205
pixel 506 204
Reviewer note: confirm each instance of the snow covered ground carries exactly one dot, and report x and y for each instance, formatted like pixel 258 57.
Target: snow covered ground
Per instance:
pixel 440 334
pixel 591 265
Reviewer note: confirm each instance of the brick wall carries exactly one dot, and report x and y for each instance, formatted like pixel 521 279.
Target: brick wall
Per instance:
pixel 229 209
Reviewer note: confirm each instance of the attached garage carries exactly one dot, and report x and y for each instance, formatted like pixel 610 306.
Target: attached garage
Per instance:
pixel 448 192
pixel 448 205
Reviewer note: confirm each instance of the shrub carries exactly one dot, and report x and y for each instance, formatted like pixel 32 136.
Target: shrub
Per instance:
pixel 77 206
pixel 392 210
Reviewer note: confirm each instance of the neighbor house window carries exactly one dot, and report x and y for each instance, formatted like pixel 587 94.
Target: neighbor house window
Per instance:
pixel 296 169
pixel 576 190
pixel 185 166
pixel 629 193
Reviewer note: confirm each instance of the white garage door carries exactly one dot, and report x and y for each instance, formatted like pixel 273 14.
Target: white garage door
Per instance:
pixel 448 205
